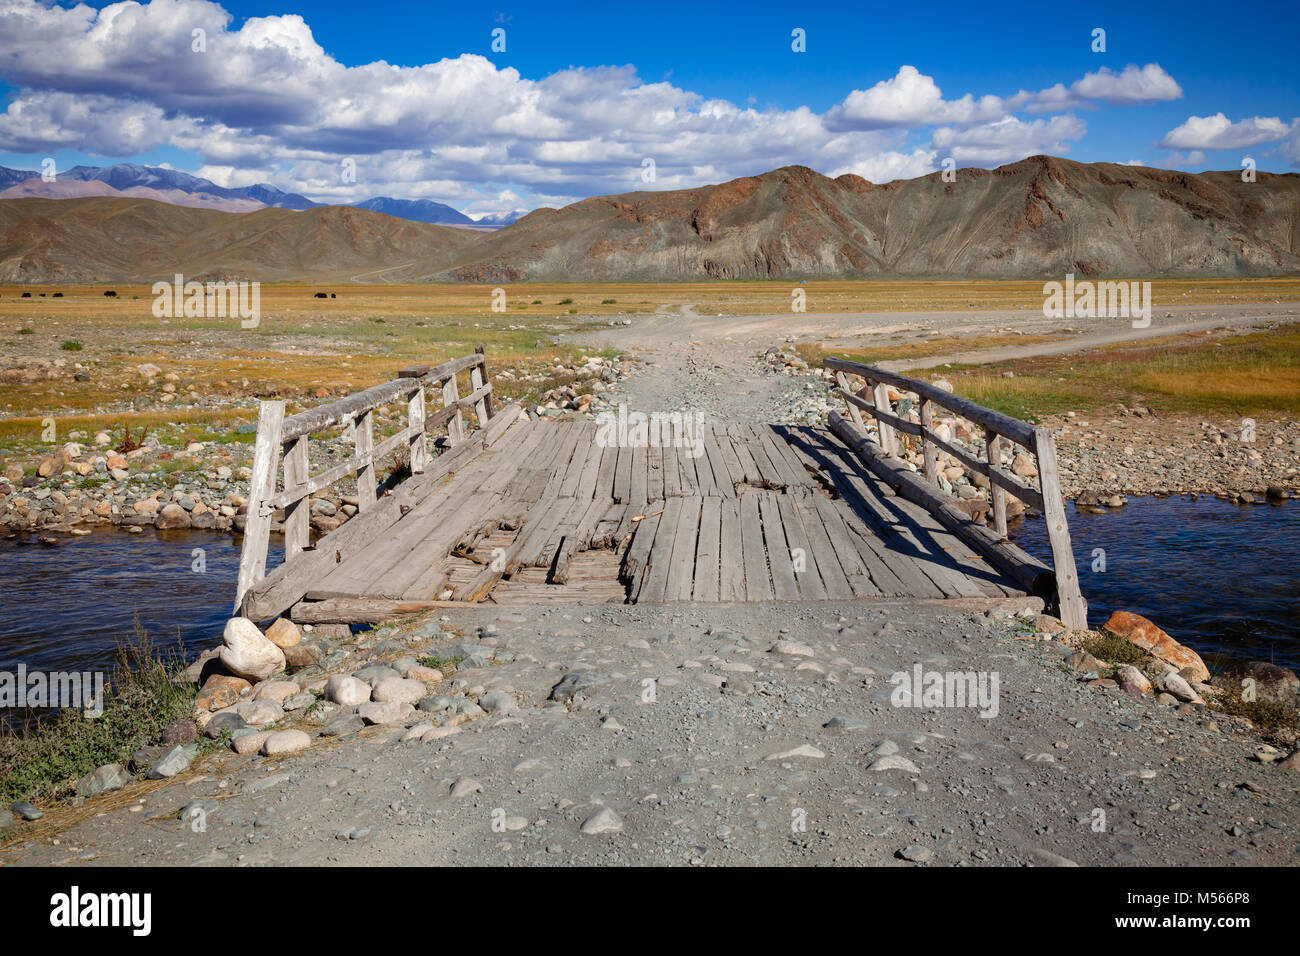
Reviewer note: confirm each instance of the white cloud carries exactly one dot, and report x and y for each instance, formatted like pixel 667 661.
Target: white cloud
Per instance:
pixel 266 103
pixel 1219 132
pixel 910 99
pixel 1009 139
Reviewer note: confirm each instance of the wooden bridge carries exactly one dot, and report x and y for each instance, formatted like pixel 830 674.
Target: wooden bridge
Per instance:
pixel 639 510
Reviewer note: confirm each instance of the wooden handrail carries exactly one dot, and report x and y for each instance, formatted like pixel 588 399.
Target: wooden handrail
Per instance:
pixel 281 438
pixel 881 456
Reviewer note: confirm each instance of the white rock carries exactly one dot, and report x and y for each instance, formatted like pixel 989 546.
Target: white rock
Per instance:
pixel 399 690
pixel 347 691
pixel 247 653
pixel 791 649
pixel 603 820
pixel 285 741
pixel 388 713
pixel 803 750
pixel 894 762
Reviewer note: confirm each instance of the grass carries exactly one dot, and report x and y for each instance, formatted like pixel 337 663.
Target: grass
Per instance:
pixel 71 345
pixel 1113 649
pixel 144 693
pixel 1280 722
pixel 1233 373
pixel 439 663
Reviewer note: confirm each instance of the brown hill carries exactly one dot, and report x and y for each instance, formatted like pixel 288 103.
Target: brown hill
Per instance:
pixel 98 239
pixel 1039 217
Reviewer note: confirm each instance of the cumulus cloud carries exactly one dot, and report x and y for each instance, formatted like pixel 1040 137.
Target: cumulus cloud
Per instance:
pixel 1009 139
pixel 1219 132
pixel 266 103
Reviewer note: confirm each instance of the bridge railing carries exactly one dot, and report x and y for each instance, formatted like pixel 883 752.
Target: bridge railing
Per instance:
pixel 873 399
pixel 282 445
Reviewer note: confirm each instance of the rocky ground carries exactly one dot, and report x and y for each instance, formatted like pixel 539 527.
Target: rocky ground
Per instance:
pixel 711 735
pixel 98 479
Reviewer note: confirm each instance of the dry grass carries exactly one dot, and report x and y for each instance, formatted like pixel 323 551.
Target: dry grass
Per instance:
pixel 1237 373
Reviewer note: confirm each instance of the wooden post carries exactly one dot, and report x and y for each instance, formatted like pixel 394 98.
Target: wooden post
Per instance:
pixel 854 413
pixel 297 514
pixel 365 445
pixel 1074 612
pixel 480 407
pixel 887 440
pixel 451 395
pixel 257 521
pixel 931 453
pixel 419 443
pixel 487 402
pixel 993 455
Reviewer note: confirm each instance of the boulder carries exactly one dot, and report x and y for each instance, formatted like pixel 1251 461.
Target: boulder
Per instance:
pixel 1138 630
pixel 1132 681
pixel 347 691
pixel 247 653
pixel 1270 681
pixel 111 776
pixel 303 654
pixel 276 690
pixel 174 761
pixel 398 689
pixel 283 633
pixel 1173 684
pixel 172 516
pixel 221 691
pixel 388 714
pixel 285 741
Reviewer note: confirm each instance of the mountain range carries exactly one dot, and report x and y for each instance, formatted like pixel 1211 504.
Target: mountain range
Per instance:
pixel 1041 217
pixel 184 189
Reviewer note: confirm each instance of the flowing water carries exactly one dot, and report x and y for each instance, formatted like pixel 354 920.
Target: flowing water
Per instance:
pixel 1222 578
pixel 64 607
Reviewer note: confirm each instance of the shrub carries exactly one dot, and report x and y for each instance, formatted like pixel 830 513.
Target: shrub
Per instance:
pixel 145 692
pixel 71 345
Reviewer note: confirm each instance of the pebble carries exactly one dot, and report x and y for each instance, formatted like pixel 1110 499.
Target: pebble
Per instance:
pixel 603 820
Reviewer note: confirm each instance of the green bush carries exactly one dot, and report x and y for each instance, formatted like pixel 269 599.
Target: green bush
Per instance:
pixel 71 345
pixel 144 693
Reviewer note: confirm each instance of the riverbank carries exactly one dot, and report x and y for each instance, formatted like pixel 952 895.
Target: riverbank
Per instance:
pixel 696 736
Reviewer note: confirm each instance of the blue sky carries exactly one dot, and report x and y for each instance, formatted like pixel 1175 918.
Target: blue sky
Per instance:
pixel 584 95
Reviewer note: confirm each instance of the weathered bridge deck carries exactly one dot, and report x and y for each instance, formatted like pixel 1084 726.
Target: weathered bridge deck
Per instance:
pixel 554 510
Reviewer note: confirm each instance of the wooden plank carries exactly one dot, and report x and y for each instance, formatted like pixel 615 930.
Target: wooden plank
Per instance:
pixel 671 469
pixel 688 484
pixel 654 580
pixel 793 475
pixel 638 480
pixel 566 527
pixel 487 377
pixel 681 563
pixel 927 446
pixel 998 495
pixel 731 461
pixel 365 449
pixel 257 521
pixel 731 566
pixel 707 549
pixel 634 559
pixel 418 453
pixel 758 583
pixel 362 610
pixel 822 548
pixel 769 476
pixel 451 399
pixel 784 584
pixel 297 514
pixel 623 474
pixel 841 541
pixel 578 539
pixel 704 479
pixel 1074 612
pixel 655 472
pixel 803 557
pixel 739 444
pixel 718 465
pixel 605 476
